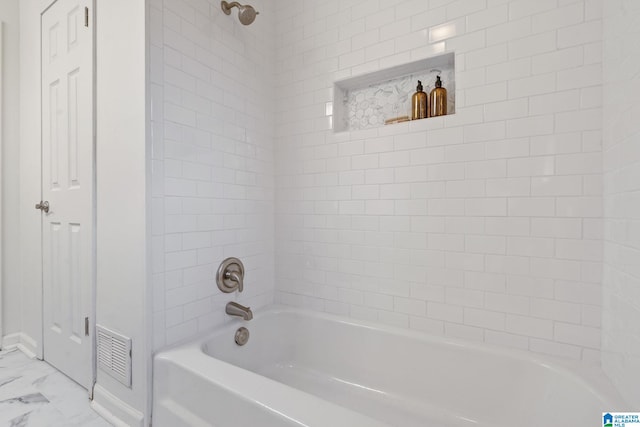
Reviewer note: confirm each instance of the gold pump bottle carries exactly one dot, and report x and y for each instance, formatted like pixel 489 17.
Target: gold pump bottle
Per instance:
pixel 419 104
pixel 438 99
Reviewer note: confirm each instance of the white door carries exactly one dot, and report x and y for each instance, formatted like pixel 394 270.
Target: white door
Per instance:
pixel 67 187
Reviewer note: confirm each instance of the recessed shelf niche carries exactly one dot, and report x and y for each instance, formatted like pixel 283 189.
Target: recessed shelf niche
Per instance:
pixel 369 100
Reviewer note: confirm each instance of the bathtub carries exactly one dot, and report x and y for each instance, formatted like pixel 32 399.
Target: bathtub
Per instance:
pixel 304 368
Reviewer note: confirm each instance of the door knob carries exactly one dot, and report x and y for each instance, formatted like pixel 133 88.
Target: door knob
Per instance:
pixel 43 206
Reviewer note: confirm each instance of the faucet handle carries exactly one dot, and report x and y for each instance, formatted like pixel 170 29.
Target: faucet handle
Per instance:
pixel 234 276
pixel 230 275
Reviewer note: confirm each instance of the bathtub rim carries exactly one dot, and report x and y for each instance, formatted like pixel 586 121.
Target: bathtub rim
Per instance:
pixel 586 374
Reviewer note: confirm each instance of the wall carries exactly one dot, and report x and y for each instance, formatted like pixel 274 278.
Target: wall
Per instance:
pixel 484 225
pixel 10 280
pixel 621 285
pixel 29 225
pixel 122 154
pixel 213 193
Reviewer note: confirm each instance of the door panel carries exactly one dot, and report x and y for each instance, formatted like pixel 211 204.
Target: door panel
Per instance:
pixel 68 186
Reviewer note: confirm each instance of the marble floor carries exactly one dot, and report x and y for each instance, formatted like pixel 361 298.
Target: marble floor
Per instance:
pixel 34 394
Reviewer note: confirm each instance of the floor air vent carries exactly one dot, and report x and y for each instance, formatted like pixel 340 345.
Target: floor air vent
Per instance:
pixel 114 354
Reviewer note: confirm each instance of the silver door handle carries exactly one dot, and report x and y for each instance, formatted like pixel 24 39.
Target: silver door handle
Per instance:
pixel 43 206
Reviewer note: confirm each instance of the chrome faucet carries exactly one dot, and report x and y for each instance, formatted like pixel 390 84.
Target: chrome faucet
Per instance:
pixel 235 309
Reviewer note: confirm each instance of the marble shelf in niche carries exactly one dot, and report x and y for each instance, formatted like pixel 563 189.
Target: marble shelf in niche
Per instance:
pixel 369 100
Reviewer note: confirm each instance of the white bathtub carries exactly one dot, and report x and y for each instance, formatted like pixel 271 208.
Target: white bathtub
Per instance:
pixel 302 368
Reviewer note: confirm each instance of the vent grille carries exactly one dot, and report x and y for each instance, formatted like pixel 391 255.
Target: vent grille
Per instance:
pixel 114 354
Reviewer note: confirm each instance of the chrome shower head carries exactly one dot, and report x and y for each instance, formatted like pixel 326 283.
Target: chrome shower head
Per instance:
pixel 246 14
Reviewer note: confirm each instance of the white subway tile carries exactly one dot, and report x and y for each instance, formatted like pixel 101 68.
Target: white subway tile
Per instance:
pixel 485 244
pixel 555 269
pixel 446 312
pixel 447 30
pixel 426 325
pixel 514 29
pixel 446 172
pixel 508 187
pixel 410 174
pixel 506 340
pixel 463 297
pixel 378 301
pixel 505 303
pixel 544 207
pixel 487 18
pixel 579 164
pixel 580 34
pixel 558 17
pixel 470 151
pixel 556 186
pixel 470 333
pixel 484 94
pixel 486 207
pixel 520 8
pixel 531 126
pixel 587 207
pixel 556 144
pixel 579 120
pixel 484 132
pixel 556 227
pixel 468 188
pixel 529 286
pixel 410 306
pixel 531 166
pixel 507 148
pixel 464 261
pixel 529 326
pixel 445 242
pixel 532 45
pixel 505 110
pixel 555 310
pixel 586 250
pixel 530 246
pixel 554 102
pixel 554 348
pixel 577 335
pixel 484 319
pixel 510 226
pixel 529 86
pixel 462 225
pixel 486 169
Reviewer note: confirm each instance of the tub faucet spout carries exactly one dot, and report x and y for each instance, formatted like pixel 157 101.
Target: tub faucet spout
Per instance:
pixel 235 309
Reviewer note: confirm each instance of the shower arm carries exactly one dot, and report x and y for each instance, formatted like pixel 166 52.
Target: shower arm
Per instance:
pixel 246 13
pixel 226 7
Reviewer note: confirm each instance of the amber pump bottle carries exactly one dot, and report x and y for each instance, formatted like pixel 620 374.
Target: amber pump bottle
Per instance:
pixel 419 104
pixel 438 99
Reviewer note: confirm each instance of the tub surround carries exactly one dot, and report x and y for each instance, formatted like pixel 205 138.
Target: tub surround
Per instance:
pixel 484 225
pixel 621 284
pixel 213 99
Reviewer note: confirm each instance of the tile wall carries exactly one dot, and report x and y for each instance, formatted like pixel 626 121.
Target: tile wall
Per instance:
pixel 621 284
pixel 485 225
pixel 212 114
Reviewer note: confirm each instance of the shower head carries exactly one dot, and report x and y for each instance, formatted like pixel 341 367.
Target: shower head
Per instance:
pixel 246 14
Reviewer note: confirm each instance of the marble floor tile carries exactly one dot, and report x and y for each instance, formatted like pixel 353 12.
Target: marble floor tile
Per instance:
pixel 34 394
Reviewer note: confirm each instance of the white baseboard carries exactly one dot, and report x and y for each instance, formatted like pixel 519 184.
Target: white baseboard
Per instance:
pixel 115 410
pixel 22 342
